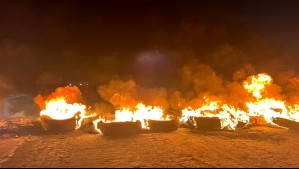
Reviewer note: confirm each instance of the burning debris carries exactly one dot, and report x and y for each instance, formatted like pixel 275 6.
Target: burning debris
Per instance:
pixel 128 104
pixel 259 109
pixel 58 125
pixel 147 116
pixel 207 123
pixel 60 110
pixel 290 124
pixel 119 128
pixel 163 125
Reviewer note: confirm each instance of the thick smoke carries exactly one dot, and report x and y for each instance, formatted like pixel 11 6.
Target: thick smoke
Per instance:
pixel 47 82
pixel 72 94
pixel 5 89
pixel 18 64
pixel 173 60
pixel 121 93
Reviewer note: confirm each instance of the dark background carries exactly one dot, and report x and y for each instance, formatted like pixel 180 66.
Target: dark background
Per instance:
pixel 47 44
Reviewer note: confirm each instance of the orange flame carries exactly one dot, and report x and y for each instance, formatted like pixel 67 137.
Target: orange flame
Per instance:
pixel 59 109
pixel 141 113
pixel 256 84
pixel 258 105
pixel 230 116
pixel 61 104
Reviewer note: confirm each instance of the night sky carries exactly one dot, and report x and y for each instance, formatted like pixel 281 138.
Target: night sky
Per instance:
pixel 47 44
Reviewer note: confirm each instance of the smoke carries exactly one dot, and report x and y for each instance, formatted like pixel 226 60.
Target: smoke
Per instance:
pixel 105 110
pixel 153 96
pixel 72 94
pixel 171 59
pixel 289 82
pixel 18 64
pixel 120 94
pixel 47 82
pixel 5 86
pixel 201 78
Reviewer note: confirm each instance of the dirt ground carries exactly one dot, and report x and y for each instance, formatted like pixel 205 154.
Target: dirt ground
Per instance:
pixel 23 143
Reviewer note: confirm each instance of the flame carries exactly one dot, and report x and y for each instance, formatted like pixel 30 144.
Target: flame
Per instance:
pixel 268 108
pixel 125 114
pixel 256 105
pixel 257 84
pixel 61 105
pixel 294 112
pixel 141 113
pixel 228 115
pixel 59 109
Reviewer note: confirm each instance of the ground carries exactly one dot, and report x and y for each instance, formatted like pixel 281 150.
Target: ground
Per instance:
pixel 24 143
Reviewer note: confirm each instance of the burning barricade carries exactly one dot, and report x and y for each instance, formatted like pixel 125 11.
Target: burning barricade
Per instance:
pixel 60 110
pixel 259 110
pixel 63 111
pixel 127 121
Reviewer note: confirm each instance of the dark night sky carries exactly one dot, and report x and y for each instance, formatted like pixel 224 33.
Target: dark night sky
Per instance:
pixel 96 40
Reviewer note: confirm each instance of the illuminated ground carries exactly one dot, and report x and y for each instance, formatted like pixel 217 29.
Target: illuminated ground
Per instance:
pixel 251 147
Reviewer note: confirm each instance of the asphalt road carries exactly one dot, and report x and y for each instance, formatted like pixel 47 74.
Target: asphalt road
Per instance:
pixel 257 146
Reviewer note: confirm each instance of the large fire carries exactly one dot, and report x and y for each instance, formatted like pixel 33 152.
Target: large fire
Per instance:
pixel 141 113
pixel 258 103
pixel 260 106
pixel 59 109
pixel 228 115
pixel 62 105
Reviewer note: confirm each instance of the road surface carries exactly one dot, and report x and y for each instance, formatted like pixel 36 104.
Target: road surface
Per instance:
pixel 257 146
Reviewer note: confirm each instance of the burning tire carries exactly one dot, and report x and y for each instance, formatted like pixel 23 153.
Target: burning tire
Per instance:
pixel 50 124
pixel 163 126
pixel 287 123
pixel 120 128
pixel 207 123
pixel 241 124
pixel 258 120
